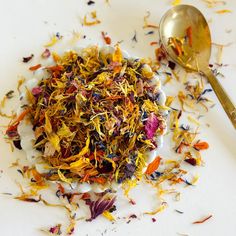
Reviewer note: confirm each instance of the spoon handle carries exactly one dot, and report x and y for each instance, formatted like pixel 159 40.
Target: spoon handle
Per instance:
pixel 223 97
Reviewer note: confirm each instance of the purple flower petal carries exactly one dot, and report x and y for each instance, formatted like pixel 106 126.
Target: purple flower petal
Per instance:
pixel 99 206
pixel 151 125
pixel 56 230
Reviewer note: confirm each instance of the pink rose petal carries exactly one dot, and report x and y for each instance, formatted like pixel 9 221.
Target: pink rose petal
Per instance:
pixel 151 125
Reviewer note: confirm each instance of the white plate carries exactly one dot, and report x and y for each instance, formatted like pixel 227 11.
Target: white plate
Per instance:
pixel 26 25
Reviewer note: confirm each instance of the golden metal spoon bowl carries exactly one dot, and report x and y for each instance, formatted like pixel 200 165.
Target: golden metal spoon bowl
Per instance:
pixel 174 25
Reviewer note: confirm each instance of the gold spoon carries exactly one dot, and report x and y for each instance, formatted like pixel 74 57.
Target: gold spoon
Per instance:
pixel 178 25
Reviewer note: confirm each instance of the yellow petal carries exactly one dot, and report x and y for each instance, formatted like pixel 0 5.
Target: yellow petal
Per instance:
pixel 55 141
pixel 85 149
pixel 117 55
pixel 193 120
pixel 169 100
pixel 108 215
pixel 128 185
pixel 48 126
pixel 79 163
pixel 64 131
pixel 96 123
pixel 53 41
pixel 56 57
pixel 223 11
pixel 63 178
pixel 176 2
pixel 147 72
pixel 195 179
pixel 159 209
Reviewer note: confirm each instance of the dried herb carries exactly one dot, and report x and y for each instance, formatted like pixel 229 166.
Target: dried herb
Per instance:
pixel 20 171
pixel 214 3
pixel 153 166
pixel 160 54
pixel 150 32
pixel 171 65
pixel 46 53
pixel 223 11
pixel 109 216
pixel 133 216
pixel 27 59
pixel 90 2
pixel 95 21
pixel 153 43
pixel 202 220
pixel 54 39
pixel 176 2
pixel 201 146
pixel 191 161
pixel 56 230
pixel 58 35
pixel 99 206
pixel 131 201
pixel 9 94
pixel 180 212
pixel 115 112
pixel 189 33
pixel 134 38
pixel 36 67
pixel 146 24
pixel 151 126
pixel 9 194
pixel 28 199
pixel 106 38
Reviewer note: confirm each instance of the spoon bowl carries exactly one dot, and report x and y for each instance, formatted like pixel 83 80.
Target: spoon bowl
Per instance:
pixel 185 36
pixel 175 23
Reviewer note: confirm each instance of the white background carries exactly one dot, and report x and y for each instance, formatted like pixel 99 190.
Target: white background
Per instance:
pixel 26 25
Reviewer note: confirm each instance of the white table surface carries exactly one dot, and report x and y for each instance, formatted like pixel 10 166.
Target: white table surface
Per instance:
pixel 26 25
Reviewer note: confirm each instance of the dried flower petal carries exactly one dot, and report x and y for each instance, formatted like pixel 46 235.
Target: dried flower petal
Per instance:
pixel 153 166
pixel 36 91
pixel 202 220
pixel 99 206
pixel 27 59
pixel 151 125
pixel 46 53
pixel 36 67
pixel 56 230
